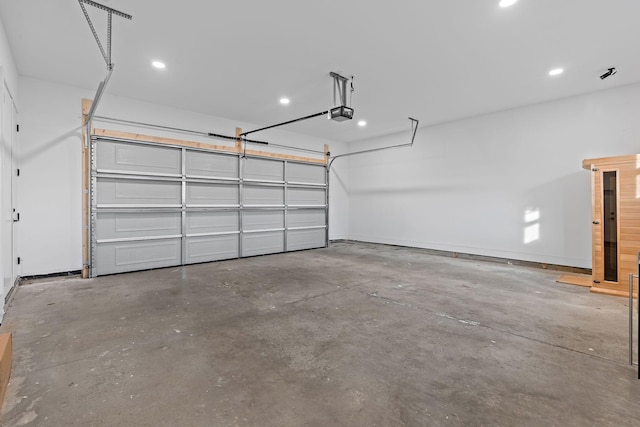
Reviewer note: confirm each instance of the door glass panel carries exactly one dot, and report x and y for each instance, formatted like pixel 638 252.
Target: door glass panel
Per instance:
pixel 610 224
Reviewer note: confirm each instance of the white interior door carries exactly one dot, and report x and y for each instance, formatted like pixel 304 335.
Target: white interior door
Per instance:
pixel 8 131
pixel 15 215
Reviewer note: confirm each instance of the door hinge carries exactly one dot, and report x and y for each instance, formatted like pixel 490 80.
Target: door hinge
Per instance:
pixel 595 170
pixel 596 281
pixel 596 222
pixel 18 260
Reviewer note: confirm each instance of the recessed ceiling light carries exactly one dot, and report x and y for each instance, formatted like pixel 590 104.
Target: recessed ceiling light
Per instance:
pixel 556 72
pixel 507 3
pixel 159 65
pixel 285 101
pixel 362 123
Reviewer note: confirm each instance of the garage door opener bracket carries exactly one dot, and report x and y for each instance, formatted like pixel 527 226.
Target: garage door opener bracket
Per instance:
pixel 106 55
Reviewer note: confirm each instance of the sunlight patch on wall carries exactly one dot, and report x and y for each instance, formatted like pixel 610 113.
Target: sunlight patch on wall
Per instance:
pixel 531 215
pixel 532 226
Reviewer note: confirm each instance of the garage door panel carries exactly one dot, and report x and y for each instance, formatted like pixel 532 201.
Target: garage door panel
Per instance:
pixel 262 220
pixel 306 239
pixel 310 174
pixel 306 196
pixel 212 165
pixel 212 222
pixel 150 210
pixel 119 156
pixel 262 243
pixel 212 248
pixel 137 192
pixel 131 256
pixel 263 195
pixel 212 194
pixel 307 218
pixel 121 225
pixel 263 170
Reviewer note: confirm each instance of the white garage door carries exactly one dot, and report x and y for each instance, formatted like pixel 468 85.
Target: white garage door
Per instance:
pixel 156 206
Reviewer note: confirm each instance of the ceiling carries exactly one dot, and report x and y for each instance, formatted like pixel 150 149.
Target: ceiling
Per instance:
pixel 437 61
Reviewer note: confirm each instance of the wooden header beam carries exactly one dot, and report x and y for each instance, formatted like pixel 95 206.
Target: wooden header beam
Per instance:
pixel 204 146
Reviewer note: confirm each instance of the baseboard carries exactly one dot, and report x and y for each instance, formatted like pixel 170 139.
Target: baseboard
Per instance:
pixel 485 258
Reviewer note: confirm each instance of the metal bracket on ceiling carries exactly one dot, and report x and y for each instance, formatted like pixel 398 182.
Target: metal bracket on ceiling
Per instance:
pixel 414 130
pixel 110 12
pixel 106 55
pixel 339 88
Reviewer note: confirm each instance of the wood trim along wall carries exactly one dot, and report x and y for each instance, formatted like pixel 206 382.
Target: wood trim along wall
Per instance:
pixel 86 106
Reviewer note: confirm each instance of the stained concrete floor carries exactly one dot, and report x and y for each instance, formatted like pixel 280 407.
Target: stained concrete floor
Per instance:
pixel 352 335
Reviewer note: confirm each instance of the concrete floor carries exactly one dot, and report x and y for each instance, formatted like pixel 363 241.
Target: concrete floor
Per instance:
pixel 353 335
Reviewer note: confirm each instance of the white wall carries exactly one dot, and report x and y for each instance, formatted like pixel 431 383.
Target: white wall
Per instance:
pixel 466 186
pixel 51 172
pixel 7 63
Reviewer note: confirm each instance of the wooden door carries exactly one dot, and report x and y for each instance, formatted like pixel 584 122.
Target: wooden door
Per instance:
pixel 606 226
